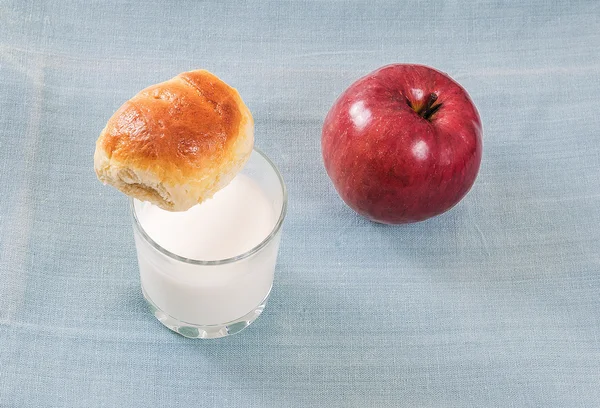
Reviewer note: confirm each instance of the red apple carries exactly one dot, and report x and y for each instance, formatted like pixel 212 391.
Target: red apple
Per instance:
pixel 402 144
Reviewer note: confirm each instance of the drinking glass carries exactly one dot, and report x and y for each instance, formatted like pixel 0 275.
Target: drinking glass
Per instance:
pixel 217 298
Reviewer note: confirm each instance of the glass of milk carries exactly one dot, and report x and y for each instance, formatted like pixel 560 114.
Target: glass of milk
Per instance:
pixel 207 272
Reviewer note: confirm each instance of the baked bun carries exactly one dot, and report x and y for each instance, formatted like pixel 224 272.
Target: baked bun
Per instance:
pixel 176 143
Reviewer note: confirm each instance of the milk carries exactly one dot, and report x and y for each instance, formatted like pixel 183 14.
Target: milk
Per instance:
pixel 207 290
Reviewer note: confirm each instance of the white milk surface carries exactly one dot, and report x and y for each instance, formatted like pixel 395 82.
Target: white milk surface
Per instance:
pixel 235 220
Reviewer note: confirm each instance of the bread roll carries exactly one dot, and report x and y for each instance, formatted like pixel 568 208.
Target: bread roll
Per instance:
pixel 176 143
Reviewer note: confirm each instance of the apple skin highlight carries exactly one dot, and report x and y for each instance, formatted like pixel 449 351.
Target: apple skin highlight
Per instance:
pixel 402 144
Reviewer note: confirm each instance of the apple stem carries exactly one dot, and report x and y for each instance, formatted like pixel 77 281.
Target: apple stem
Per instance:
pixel 432 98
pixel 427 111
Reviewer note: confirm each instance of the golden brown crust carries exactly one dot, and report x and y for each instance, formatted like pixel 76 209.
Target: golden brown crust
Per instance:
pixel 188 133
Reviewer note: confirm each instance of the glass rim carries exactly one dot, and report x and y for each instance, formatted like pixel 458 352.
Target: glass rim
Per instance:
pixel 255 249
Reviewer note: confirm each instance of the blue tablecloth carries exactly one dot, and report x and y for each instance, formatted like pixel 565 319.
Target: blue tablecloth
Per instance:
pixel 495 303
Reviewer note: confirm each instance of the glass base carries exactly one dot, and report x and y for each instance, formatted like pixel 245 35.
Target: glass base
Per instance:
pixel 213 331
